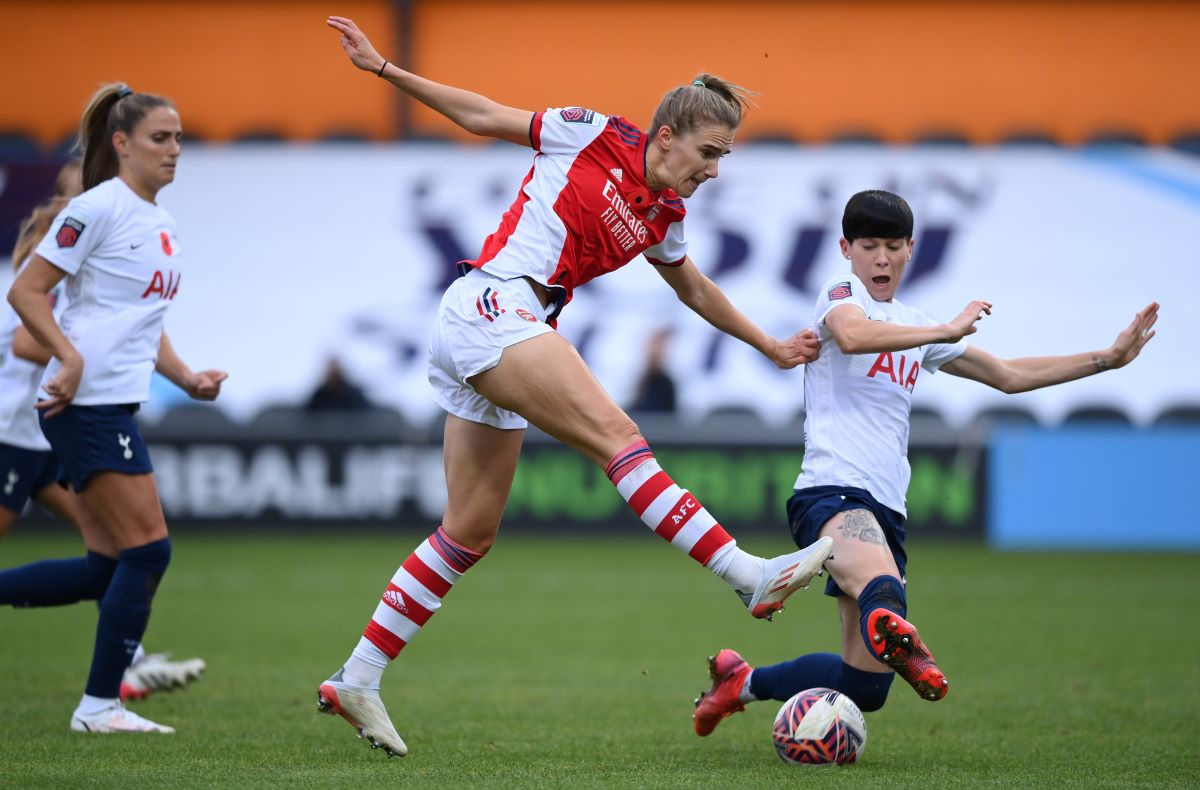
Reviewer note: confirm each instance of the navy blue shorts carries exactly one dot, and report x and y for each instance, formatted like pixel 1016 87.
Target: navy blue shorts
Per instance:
pixel 92 439
pixel 810 508
pixel 23 473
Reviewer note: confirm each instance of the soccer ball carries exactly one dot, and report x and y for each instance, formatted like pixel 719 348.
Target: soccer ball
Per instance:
pixel 819 727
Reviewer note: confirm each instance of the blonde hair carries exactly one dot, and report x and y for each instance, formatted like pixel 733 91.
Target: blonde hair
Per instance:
pixel 113 108
pixel 708 99
pixel 37 224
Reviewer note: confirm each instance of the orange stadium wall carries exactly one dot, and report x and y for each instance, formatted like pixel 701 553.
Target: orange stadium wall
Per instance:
pixel 984 70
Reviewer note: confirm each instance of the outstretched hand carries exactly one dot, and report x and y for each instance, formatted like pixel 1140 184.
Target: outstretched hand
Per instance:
pixel 799 349
pixel 1131 340
pixel 356 44
pixel 964 323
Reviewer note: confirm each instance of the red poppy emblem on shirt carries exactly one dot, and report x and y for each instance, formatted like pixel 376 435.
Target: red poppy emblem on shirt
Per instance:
pixel 69 233
pixel 166 242
pixel 840 291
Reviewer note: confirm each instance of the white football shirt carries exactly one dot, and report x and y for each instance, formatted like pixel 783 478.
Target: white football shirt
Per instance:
pixel 857 405
pixel 19 381
pixel 123 262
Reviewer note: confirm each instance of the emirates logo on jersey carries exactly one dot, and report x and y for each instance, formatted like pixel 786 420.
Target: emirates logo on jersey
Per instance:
pixel 617 173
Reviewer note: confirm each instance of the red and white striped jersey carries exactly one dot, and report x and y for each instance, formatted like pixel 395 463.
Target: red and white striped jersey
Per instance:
pixel 585 208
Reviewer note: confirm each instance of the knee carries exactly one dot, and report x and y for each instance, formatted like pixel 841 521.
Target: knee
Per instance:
pixel 98 572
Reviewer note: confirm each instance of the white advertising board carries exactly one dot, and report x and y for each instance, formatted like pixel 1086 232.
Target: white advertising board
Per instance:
pixel 299 252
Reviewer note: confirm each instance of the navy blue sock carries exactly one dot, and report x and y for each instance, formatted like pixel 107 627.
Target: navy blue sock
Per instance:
pixel 124 613
pixel 57 582
pixel 869 690
pixel 882 592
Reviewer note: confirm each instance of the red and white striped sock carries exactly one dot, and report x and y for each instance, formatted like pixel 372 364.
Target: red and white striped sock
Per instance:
pixel 415 593
pixel 677 517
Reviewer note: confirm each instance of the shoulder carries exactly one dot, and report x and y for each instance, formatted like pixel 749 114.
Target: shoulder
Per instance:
pixel 101 199
pixel 844 287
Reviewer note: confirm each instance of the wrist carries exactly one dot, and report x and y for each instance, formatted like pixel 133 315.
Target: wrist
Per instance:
pixel 1103 360
pixel 379 71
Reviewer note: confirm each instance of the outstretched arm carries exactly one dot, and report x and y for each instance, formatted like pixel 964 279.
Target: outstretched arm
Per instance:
pixel 477 114
pixel 857 334
pixel 705 299
pixel 1031 373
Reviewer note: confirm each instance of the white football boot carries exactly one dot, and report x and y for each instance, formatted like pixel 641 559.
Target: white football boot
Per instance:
pixel 785 574
pixel 156 672
pixel 363 709
pixel 116 719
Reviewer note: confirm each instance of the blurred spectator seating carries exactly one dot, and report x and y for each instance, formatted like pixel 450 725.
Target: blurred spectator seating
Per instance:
pixel 1183 414
pixel 18 147
pixel 194 420
pixel 774 137
pixel 1187 142
pixel 1092 414
pixel 942 137
pixel 289 421
pixel 985 421
pixel 855 137
pixel 1106 138
pixel 260 136
pixel 344 136
pixel 734 421
pixel 927 424
pixel 1029 138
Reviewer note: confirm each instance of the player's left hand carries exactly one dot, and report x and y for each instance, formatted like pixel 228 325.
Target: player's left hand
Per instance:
pixel 205 385
pixel 1130 342
pixel 358 47
pixel 799 349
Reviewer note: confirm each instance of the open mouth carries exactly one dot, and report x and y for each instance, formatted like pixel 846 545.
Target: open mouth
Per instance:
pixel 882 279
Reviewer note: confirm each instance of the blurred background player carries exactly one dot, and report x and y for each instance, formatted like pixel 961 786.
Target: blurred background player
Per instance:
pixel 600 192
pixel 30 470
pixel 858 396
pixel 115 238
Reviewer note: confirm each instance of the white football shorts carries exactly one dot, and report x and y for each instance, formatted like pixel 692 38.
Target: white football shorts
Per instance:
pixel 480 316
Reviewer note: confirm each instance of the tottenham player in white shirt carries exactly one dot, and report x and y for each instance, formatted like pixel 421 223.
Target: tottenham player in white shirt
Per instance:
pixel 600 192
pixel 120 255
pixel 30 470
pixel 852 487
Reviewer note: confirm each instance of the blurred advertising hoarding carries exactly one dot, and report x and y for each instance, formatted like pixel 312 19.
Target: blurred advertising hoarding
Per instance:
pixel 365 483
pixel 300 252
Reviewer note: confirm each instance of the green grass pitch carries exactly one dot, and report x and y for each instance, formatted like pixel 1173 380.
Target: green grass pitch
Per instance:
pixel 573 663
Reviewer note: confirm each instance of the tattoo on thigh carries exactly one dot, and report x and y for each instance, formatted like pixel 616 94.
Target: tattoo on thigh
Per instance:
pixel 861 525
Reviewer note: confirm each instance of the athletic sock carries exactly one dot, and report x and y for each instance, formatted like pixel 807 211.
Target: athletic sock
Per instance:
pixel 124 613
pixel 678 518
pixel 882 592
pixel 415 593
pixel 93 706
pixel 869 690
pixel 57 582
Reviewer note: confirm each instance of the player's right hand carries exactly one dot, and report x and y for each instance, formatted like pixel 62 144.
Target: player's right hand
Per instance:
pixel 62 387
pixel 964 323
pixel 355 42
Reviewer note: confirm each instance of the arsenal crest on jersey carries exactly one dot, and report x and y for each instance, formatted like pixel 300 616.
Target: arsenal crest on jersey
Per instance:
pixel 69 233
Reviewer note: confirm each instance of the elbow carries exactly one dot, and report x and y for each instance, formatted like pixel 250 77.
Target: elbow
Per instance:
pixel 846 344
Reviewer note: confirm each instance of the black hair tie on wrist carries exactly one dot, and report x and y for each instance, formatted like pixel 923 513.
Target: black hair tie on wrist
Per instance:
pixel 381 68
